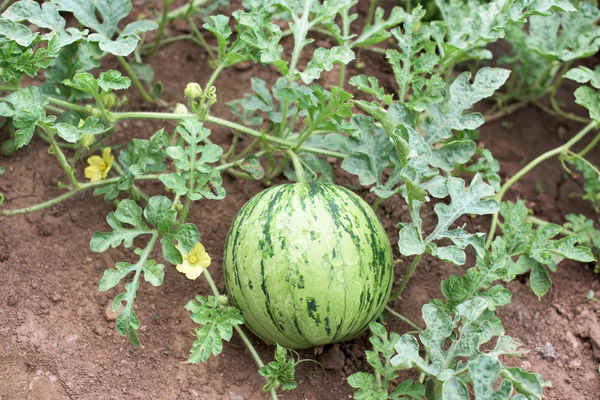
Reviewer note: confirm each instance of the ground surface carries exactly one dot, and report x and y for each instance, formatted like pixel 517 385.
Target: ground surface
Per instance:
pixel 57 340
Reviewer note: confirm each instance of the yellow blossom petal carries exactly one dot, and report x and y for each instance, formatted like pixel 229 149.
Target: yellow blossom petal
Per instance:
pixel 93 173
pixel 108 159
pixel 96 161
pixel 194 262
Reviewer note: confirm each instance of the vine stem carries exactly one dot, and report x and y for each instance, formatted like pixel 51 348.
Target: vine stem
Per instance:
pixel 85 186
pixel 297 165
pixel 82 187
pixel 405 279
pixel 506 111
pixel 549 154
pixel 63 162
pixel 184 11
pixel 161 26
pixel 403 318
pixel 134 79
pixel 239 330
pixel 590 146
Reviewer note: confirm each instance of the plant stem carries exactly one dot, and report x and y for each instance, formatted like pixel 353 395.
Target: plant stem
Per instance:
pixel 184 11
pixel 566 115
pixel 403 319
pixel 63 162
pixel 405 279
pixel 590 146
pixel 161 27
pixel 239 330
pixel 270 138
pixel 549 154
pixel 377 203
pixel 371 12
pixel 201 40
pixel 134 79
pixel 506 111
pixel 68 105
pixel 345 33
pixel 297 165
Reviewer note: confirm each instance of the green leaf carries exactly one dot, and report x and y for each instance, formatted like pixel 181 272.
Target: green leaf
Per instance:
pixel 377 31
pixel 370 85
pixel 26 107
pixel 218 25
pixel 583 74
pixel 257 32
pixel 476 200
pixel 72 134
pixel 417 56
pixel 566 36
pixel 175 182
pixel 584 230
pixel 455 389
pixel 281 372
pixel 192 131
pixel 17 32
pixel 159 213
pixel 251 164
pixel 323 60
pixel 218 322
pixel 369 154
pixel 17 61
pixel 539 280
pixel 589 98
pixel 525 382
pixel 44 16
pixel 74 58
pixel 127 212
pixel 367 387
pixel 462 95
pixel 104 18
pixel 113 80
pixel 410 389
pixel 470 25
pixel 484 372
pixel 144 155
pixel 127 321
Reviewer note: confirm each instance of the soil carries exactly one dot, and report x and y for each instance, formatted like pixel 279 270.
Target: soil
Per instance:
pixel 57 333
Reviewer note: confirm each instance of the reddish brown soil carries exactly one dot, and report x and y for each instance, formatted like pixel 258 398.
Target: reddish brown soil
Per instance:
pixel 56 338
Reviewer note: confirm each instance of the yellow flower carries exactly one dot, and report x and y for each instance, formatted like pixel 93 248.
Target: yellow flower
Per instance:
pixel 99 166
pixel 194 262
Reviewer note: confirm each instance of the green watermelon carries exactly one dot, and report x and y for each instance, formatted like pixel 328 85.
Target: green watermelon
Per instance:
pixel 308 264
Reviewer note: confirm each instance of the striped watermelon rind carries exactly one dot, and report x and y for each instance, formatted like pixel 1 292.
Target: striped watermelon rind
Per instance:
pixel 308 264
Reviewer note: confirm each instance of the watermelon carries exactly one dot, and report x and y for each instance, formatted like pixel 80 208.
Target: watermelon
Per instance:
pixel 307 264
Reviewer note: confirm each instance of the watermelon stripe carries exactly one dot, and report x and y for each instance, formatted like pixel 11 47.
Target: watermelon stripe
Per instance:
pixel 307 264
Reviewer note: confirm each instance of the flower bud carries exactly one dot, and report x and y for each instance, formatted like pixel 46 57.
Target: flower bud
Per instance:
pixel 193 90
pixel 87 139
pixel 109 100
pixel 180 109
pixel 223 300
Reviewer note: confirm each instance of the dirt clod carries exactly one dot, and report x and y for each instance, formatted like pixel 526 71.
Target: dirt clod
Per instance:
pixel 333 357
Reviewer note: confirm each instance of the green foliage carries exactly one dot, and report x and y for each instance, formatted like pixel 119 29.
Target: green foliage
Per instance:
pixel 26 107
pixel 161 217
pixel 369 388
pixel 536 249
pixel 470 25
pixel 280 372
pixel 193 164
pixel 16 60
pixel 218 322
